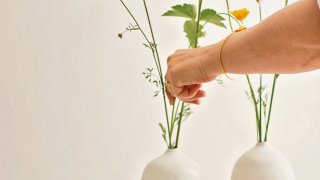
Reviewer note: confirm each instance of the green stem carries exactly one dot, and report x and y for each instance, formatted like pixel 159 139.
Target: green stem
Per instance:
pixel 195 46
pixel 172 119
pixel 177 108
pixel 255 108
pixel 270 106
pixel 286 2
pixel 259 136
pixel 175 113
pixel 160 70
pixel 154 42
pixel 235 19
pixel 260 12
pixel 179 126
pixel 275 77
pixel 260 104
pixel 142 32
pixel 260 87
pixel 228 8
pixel 198 22
pixel 135 20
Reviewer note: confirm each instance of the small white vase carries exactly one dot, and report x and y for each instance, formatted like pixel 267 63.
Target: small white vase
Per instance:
pixel 172 165
pixel 262 162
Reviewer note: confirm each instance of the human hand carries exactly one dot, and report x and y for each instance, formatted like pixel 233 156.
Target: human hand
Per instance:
pixel 187 70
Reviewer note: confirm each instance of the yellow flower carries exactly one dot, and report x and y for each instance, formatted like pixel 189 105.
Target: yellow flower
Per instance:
pixel 240 14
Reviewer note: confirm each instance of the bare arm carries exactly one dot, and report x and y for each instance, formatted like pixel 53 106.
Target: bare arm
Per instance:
pixel 286 42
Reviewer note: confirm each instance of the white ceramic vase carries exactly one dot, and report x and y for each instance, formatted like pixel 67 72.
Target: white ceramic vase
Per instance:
pixel 262 162
pixel 172 165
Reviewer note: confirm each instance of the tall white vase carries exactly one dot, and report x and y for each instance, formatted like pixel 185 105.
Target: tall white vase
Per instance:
pixel 262 162
pixel 172 165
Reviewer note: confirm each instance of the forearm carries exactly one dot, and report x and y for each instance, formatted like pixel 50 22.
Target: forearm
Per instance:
pixel 286 42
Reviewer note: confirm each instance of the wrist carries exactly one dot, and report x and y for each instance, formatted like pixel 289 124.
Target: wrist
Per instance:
pixel 212 63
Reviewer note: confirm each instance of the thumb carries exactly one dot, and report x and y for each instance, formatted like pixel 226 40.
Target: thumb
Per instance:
pixel 174 90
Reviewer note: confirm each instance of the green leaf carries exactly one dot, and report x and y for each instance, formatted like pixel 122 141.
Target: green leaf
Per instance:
pixel 190 28
pixel 185 10
pixel 164 133
pixel 211 16
pixel 162 128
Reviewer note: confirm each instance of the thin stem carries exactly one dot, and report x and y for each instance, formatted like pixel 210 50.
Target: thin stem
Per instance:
pixel 173 111
pixel 195 46
pixel 286 2
pixel 135 20
pixel 259 137
pixel 260 87
pixel 198 22
pixel 228 8
pixel 260 104
pixel 275 77
pixel 255 108
pixel 161 75
pixel 231 17
pixel 177 108
pixel 172 119
pixel 154 42
pixel 142 32
pixel 260 12
pixel 179 126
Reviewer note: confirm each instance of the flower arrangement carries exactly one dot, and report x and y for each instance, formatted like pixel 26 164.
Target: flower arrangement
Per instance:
pixel 194 25
pixel 196 20
pixel 262 107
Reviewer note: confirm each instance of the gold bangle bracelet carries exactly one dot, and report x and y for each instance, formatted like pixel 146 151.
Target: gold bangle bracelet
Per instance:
pixel 241 28
pixel 220 56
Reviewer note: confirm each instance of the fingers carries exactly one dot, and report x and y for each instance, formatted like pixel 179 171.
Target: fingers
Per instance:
pixel 200 94
pixel 171 88
pixel 181 76
pixel 189 91
pixel 192 100
pixel 172 91
pixel 175 90
pixel 170 97
pixel 182 92
pixel 195 99
pixel 189 94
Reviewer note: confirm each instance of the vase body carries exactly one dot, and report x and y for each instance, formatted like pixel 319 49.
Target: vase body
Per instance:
pixel 172 165
pixel 262 162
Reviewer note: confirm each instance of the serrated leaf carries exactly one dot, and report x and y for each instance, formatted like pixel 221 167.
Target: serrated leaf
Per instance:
pixel 211 16
pixel 185 10
pixel 190 28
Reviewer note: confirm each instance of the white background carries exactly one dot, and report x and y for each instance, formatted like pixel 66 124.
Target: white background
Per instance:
pixel 74 105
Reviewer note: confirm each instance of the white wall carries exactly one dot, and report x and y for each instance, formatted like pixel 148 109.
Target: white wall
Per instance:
pixel 74 105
